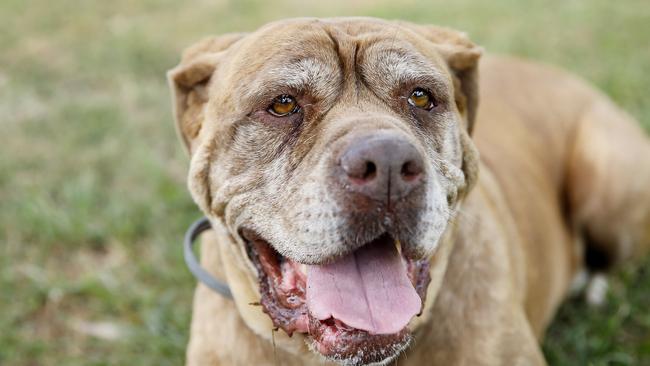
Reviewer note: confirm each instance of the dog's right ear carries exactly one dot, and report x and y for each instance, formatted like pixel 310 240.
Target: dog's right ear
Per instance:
pixel 189 82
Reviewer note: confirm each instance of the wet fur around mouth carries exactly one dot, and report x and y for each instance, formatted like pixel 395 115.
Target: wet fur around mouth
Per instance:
pixel 331 338
pixel 383 354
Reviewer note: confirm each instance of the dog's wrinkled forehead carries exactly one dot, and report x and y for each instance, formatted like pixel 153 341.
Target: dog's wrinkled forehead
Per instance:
pixel 325 55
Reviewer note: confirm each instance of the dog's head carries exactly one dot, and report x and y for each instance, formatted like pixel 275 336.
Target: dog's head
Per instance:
pixel 334 153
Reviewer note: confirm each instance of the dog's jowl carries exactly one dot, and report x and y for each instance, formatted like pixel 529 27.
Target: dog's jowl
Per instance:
pixel 368 209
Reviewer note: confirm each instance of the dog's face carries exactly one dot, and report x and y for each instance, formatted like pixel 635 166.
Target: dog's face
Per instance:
pixel 335 153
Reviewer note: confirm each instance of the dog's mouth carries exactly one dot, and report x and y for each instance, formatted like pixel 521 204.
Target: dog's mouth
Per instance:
pixel 355 309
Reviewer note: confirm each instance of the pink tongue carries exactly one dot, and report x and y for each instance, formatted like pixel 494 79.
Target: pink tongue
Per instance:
pixel 368 289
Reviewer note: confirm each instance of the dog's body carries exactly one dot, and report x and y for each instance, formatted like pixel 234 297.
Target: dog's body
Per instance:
pixel 562 171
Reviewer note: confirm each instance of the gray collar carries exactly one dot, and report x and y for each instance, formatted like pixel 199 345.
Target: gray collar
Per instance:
pixel 193 264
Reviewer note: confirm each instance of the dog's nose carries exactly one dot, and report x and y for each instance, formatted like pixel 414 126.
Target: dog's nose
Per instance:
pixel 383 166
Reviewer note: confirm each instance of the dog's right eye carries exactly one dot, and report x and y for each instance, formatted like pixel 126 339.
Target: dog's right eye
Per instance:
pixel 283 105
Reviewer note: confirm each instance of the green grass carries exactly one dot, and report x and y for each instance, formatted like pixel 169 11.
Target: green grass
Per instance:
pixel 92 196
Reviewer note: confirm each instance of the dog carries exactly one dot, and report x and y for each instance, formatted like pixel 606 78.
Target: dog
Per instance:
pixel 353 217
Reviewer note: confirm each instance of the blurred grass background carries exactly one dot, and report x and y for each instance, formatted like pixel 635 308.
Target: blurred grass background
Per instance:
pixel 93 202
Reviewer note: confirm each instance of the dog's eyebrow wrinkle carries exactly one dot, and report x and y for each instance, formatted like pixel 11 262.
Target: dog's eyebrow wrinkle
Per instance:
pixel 300 73
pixel 357 74
pixel 401 67
pixel 361 78
pixel 337 47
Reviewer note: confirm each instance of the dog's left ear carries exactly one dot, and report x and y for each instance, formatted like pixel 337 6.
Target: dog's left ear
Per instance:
pixel 462 57
pixel 189 82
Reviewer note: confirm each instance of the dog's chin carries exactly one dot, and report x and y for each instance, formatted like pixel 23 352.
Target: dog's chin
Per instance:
pixel 283 286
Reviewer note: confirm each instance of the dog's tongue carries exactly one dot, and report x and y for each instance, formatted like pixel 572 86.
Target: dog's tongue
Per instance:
pixel 367 289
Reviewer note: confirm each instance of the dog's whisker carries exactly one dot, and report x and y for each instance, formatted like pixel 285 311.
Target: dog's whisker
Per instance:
pixel 275 353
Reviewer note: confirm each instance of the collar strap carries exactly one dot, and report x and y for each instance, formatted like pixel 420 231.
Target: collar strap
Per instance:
pixel 198 227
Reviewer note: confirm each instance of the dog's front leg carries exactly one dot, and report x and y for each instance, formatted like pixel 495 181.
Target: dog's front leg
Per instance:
pixel 505 338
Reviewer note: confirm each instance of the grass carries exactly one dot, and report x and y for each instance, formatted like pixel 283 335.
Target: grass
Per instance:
pixel 92 196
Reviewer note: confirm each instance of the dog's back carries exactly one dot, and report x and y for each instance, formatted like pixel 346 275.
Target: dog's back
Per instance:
pixel 543 133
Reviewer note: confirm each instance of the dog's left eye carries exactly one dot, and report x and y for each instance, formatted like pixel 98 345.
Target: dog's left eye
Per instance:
pixel 421 98
pixel 283 105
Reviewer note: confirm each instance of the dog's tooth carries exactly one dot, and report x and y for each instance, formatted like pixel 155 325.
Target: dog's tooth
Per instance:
pixel 398 244
pixel 303 268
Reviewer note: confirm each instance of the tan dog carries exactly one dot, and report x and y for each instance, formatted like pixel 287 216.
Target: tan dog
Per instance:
pixel 334 159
